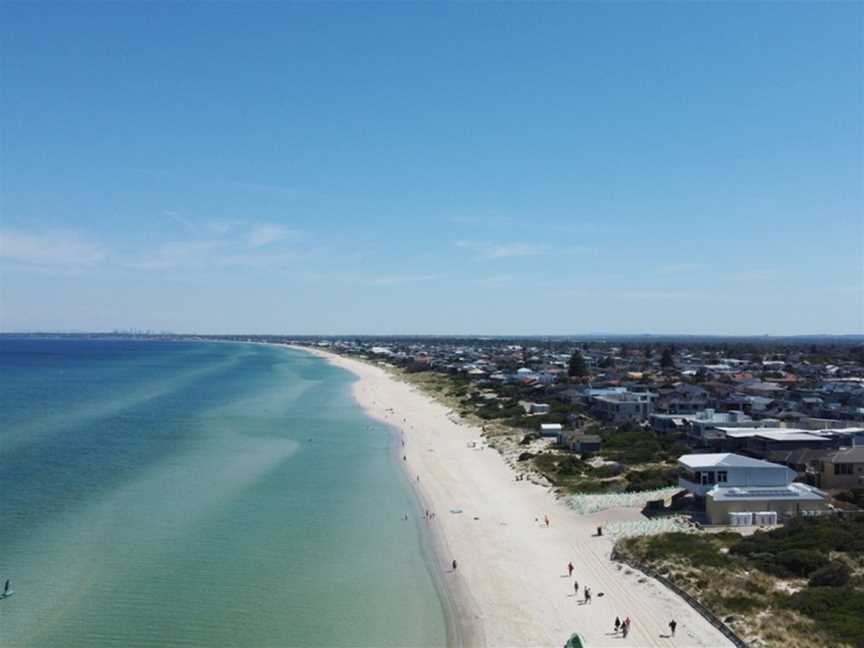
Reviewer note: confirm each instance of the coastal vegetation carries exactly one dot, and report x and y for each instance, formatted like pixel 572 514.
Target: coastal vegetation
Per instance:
pixel 797 585
pixel 633 458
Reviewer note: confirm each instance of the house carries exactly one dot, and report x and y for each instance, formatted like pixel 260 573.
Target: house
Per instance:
pixel 732 484
pixel 843 469
pixel 766 441
pixel 550 430
pixel 708 428
pixel 535 408
pixel 793 500
pixel 623 407
pixel 578 441
pixel 701 472
pixel 670 423
pixel 683 399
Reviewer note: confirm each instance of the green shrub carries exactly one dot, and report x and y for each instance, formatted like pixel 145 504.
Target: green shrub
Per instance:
pixel 606 471
pixel 698 550
pixel 837 610
pixel 834 574
pixel 854 497
pixel 738 603
pixel 652 479
pixel 794 562
pixel 824 534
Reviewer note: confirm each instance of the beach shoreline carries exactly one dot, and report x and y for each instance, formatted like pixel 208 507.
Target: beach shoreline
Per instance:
pixel 511 586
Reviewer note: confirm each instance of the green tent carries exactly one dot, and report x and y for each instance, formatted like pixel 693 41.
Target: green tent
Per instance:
pixel 575 641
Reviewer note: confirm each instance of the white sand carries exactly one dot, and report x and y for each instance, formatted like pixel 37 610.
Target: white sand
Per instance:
pixel 511 586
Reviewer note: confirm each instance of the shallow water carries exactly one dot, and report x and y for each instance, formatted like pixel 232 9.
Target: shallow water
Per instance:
pixel 156 493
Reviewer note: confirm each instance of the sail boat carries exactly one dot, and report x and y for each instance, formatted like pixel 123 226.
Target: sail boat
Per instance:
pixel 6 591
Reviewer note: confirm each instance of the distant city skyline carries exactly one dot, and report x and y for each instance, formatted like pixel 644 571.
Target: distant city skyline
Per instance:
pixel 475 169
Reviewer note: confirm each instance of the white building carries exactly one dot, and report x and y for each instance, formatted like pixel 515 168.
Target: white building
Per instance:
pixel 734 486
pixel 550 429
pixel 701 472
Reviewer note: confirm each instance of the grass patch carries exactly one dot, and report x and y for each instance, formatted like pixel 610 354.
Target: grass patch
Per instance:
pixel 837 610
pixel 698 550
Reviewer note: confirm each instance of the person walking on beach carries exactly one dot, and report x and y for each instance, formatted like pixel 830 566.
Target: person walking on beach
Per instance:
pixel 587 595
pixel 570 569
pixel 624 630
pixel 546 520
pixel 617 625
pixel 575 588
pixel 672 625
pixel 454 565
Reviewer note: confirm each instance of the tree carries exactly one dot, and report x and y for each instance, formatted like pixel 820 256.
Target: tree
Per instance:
pixel 577 367
pixel 667 360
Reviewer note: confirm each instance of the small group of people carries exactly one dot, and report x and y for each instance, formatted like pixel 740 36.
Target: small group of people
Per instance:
pixel 622 626
pixel 520 477
pixel 429 515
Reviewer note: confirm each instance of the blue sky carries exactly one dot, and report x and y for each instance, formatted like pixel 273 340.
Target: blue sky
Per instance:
pixel 432 168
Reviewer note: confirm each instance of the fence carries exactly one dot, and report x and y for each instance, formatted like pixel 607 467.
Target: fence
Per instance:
pixel 696 605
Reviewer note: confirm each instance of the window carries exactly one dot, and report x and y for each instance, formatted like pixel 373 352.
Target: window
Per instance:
pixel 721 476
pixel 843 469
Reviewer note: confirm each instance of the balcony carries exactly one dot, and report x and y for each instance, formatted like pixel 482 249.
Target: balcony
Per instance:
pixel 693 487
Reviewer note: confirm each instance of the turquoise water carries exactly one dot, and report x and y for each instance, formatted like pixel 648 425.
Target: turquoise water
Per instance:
pixel 161 493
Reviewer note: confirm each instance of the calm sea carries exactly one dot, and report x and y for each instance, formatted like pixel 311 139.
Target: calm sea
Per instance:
pixel 207 494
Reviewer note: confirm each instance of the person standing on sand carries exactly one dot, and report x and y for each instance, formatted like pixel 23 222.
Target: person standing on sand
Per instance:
pixel 672 625
pixel 617 625
pixel 570 569
pixel 454 565
pixel 546 520
pixel 575 588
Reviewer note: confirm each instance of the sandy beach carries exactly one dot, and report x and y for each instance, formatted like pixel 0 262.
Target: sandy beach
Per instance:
pixel 511 586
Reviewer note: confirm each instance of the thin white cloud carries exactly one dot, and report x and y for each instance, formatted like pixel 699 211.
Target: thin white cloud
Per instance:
pixel 178 254
pixel 256 260
pixel 660 295
pixel 752 275
pixel 489 250
pixel 680 268
pixel 266 233
pixel 500 281
pixel 395 279
pixel 484 221
pixel 52 248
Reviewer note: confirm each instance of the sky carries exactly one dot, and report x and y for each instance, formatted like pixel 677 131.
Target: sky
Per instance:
pixel 432 168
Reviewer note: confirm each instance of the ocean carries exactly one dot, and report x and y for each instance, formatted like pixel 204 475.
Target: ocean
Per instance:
pixel 202 494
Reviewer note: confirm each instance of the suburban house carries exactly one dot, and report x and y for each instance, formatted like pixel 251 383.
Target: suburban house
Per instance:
pixel 535 408
pixel 623 407
pixel 732 484
pixel 578 441
pixel 701 472
pixel 765 441
pixel 704 426
pixel 683 399
pixel 843 469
